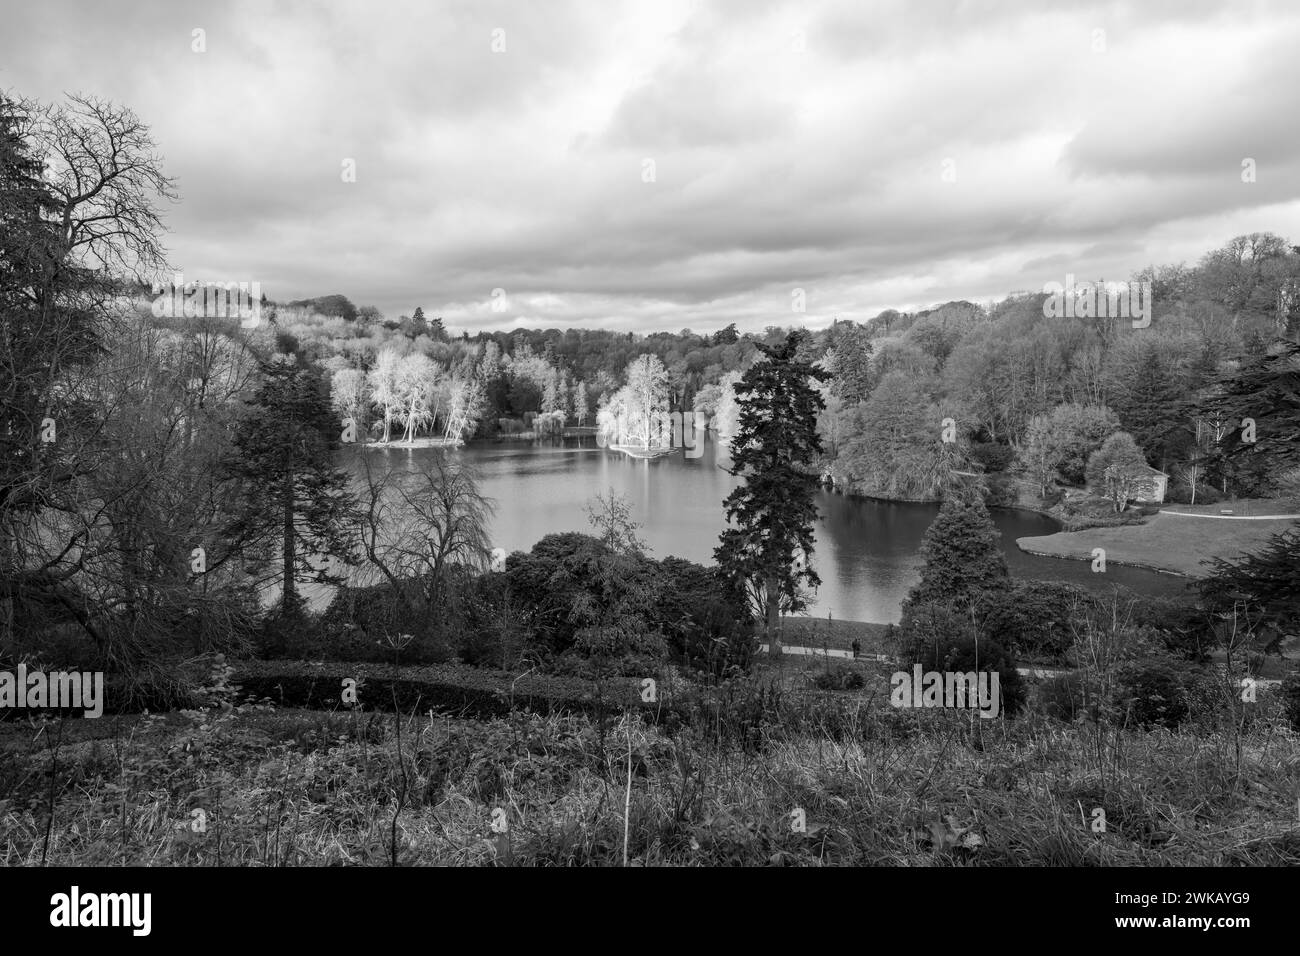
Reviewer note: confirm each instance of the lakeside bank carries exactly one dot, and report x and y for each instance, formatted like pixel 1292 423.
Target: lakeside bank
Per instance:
pixel 1179 542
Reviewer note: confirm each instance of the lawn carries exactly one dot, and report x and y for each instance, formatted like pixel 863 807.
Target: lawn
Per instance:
pixel 1176 543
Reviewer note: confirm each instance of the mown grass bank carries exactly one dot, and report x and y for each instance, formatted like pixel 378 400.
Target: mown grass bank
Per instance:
pixel 1177 544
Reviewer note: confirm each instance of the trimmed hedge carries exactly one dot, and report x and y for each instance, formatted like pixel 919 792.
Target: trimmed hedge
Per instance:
pixel 743 712
pixel 468 691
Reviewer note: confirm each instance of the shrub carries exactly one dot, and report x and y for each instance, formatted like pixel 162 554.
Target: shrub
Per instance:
pixel 840 678
pixel 1032 618
pixel 940 638
pixel 1180 494
pixel 491 627
pixel 1062 698
pixel 1291 698
pixel 992 455
pixel 355 627
pixel 1155 692
pixel 706 622
pixel 469 691
pixel 1001 491
pixel 1180 626
pixel 571 582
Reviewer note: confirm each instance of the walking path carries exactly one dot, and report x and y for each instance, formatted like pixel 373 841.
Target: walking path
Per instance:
pixel 1042 672
pixel 1194 514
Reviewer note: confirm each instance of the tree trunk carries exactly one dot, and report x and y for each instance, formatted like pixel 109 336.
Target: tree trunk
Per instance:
pixel 290 600
pixel 773 623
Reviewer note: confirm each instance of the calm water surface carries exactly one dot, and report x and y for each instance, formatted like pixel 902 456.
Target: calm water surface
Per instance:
pixel 867 552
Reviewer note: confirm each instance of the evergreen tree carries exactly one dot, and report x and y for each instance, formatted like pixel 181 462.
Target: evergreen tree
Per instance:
pixel 727 336
pixel 417 325
pixel 1151 407
pixel 1266 584
pixel 767 546
pixel 852 365
pixel 37 338
pixel 294 497
pixel 962 556
pixel 1265 390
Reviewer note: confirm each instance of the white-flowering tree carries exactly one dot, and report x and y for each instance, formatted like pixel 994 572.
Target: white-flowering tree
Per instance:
pixel 726 420
pixel 624 418
pixel 565 403
pixel 465 404
pixel 581 407
pixel 611 417
pixel 552 400
pixel 384 389
pixel 417 391
pixel 647 402
pixel 350 393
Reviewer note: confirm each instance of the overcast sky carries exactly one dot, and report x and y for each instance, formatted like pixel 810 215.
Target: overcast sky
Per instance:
pixel 873 155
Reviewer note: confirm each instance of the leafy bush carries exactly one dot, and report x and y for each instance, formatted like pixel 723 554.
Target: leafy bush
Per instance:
pixel 1179 493
pixel 992 456
pixel 707 624
pixel 356 626
pixel 1155 692
pixel 1063 698
pixel 1291 698
pixel 1032 618
pixel 573 591
pixel 571 582
pixel 940 638
pixel 1180 626
pixel 840 678
pixel 490 629
pixel 1001 491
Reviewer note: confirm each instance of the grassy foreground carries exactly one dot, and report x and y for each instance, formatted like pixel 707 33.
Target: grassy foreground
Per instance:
pixel 256 786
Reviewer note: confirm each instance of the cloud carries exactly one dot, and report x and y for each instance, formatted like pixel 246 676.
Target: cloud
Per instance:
pixel 874 157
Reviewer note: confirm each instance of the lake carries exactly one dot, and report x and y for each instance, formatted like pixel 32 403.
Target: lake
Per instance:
pixel 867 551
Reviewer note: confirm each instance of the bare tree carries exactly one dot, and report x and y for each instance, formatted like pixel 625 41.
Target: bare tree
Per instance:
pixel 415 526
pixel 611 516
pixel 104 169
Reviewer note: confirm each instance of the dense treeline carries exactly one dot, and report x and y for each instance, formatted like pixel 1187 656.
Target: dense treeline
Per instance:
pixel 1029 392
pixel 1044 392
pixel 523 380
